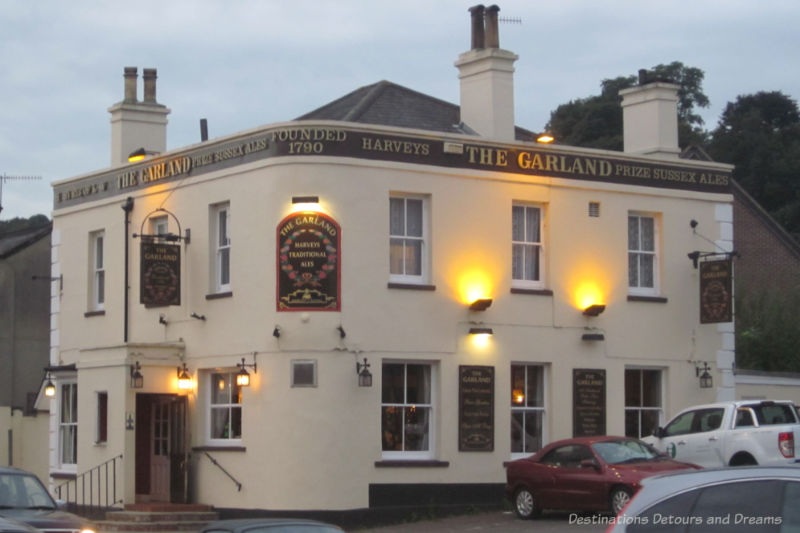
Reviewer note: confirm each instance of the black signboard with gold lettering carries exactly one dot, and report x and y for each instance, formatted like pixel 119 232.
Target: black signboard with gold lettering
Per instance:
pixel 588 402
pixel 309 248
pixel 160 276
pixel 715 291
pixel 475 408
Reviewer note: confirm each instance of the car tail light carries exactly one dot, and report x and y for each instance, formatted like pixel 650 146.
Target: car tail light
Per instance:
pixel 786 444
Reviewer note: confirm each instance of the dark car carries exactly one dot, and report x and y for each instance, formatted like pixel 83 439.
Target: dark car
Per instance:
pixel 725 500
pixel 12 526
pixel 25 499
pixel 584 474
pixel 270 525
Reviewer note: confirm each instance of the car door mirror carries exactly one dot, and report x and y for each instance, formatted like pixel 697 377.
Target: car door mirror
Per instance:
pixel 659 433
pixel 590 463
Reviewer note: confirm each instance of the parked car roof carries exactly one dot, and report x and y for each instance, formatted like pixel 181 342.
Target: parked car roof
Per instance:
pixel 8 525
pixel 243 524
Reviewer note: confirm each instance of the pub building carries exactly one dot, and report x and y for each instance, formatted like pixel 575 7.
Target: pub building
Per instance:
pixel 379 303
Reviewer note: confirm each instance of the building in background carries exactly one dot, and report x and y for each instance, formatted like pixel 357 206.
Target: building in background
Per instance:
pixel 417 292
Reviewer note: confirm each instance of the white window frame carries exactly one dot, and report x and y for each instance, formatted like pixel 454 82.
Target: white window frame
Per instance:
pixel 522 283
pixel 525 408
pixel 430 453
pixel 640 408
pixel 97 270
pixel 638 290
pixel 230 406
pixel 159 226
pixel 66 385
pixel 425 249
pixel 220 247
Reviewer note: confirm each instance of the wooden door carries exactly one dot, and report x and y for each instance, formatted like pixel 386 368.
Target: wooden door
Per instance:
pixel 160 470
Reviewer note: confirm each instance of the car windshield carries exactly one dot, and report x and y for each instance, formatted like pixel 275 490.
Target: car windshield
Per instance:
pixel 624 451
pixel 21 491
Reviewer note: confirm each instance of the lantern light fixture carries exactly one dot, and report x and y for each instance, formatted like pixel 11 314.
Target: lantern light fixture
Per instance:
pixel 49 388
pixel 184 378
pixel 706 381
pixel 364 375
pixel 243 377
pixel 480 331
pixel 137 379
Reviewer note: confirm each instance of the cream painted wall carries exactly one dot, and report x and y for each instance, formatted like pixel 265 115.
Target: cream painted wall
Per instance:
pixel 316 448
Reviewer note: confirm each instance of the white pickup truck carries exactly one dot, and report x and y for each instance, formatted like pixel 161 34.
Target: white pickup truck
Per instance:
pixel 732 434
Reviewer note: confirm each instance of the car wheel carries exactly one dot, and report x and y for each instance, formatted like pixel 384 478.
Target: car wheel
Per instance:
pixel 524 504
pixel 620 496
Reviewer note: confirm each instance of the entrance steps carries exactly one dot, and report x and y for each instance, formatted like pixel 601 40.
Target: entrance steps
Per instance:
pixel 157 518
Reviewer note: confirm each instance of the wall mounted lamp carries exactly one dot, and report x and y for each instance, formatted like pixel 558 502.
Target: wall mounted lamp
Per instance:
pixel 364 375
pixel 706 381
pixel 545 138
pixel 276 332
pixel 342 333
pixel 162 319
pixel 198 317
pixel 243 377
pixel 481 304
pixel 594 310
pixel 305 199
pixel 184 378
pixel 593 337
pixel 137 379
pixel 480 331
pixel 49 388
pixel 137 155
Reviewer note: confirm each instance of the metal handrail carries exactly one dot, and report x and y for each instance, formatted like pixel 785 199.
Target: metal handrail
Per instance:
pixel 100 482
pixel 215 463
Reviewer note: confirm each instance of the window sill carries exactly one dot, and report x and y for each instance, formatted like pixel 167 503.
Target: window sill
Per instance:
pixel 535 292
pixel 412 464
pixel 219 449
pixel 219 295
pixel 94 313
pixel 411 286
pixel 63 475
pixel 651 299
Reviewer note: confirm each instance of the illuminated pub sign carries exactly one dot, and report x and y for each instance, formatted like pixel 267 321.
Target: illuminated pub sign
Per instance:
pixel 308 263
pixel 716 295
pixel 160 282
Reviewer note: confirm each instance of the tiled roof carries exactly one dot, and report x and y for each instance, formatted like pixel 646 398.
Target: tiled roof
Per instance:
pixel 388 104
pixel 13 241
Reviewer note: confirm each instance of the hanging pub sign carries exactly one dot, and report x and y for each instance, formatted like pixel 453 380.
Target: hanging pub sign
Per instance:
pixel 160 282
pixel 716 295
pixel 308 263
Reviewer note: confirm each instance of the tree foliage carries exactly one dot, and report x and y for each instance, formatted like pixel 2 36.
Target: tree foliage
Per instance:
pixel 596 121
pixel 18 223
pixel 760 134
pixel 768 330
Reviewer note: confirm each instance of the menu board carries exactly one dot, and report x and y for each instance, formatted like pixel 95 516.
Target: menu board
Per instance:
pixel 475 408
pixel 588 402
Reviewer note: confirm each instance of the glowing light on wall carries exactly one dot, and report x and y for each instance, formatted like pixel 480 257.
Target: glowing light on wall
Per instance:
pixel 305 203
pixel 588 293
pixel 480 337
pixel 474 285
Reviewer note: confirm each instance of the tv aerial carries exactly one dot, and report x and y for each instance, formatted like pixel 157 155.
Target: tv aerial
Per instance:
pixel 5 177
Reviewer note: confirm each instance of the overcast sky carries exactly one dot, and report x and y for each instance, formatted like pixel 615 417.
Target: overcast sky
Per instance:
pixel 247 63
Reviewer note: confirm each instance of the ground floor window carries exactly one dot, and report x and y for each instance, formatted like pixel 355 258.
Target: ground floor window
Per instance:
pixel 225 407
pixel 406 410
pixel 68 423
pixel 527 408
pixel 643 401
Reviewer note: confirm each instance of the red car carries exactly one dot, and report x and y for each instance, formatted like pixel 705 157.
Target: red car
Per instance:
pixel 584 474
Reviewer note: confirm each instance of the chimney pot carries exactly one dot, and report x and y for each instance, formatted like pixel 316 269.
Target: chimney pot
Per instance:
pixel 492 31
pixel 130 84
pixel 149 75
pixel 478 35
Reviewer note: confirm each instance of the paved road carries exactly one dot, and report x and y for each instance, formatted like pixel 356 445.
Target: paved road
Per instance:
pixel 503 522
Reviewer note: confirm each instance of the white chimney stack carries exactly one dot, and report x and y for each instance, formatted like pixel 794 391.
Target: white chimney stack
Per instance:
pixel 136 124
pixel 487 79
pixel 650 118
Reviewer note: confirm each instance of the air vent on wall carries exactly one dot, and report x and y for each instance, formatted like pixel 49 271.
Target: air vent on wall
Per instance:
pixel 594 209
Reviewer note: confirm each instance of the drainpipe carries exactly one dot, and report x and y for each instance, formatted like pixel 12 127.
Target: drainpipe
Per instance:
pixel 127 207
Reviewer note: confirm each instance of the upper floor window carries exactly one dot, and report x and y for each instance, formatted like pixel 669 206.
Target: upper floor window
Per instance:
pixel 97 271
pixel 221 247
pixel 642 254
pixel 408 229
pixel 526 246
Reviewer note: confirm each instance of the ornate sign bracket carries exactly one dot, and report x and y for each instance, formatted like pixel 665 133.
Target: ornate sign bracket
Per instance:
pixel 166 237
